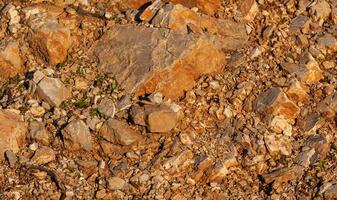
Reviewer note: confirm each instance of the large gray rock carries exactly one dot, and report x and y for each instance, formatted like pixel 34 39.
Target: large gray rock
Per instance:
pixel 145 60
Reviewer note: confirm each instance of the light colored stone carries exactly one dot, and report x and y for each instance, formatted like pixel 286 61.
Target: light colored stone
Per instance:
pixel 11 62
pixel 38 133
pixel 179 162
pixel 119 132
pixel 280 125
pixel 44 155
pixel 278 144
pixel 53 91
pixel 321 10
pixel 283 175
pixel 218 172
pixel 171 70
pixel 76 136
pixel 328 42
pixel 51 41
pixel 248 9
pixel 298 92
pixel 206 6
pixel 107 107
pixel 116 183
pixel 13 131
pixel 275 102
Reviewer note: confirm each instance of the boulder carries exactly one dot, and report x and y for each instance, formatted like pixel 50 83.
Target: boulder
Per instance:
pixel 76 136
pixel 161 60
pixel 11 62
pixel 13 131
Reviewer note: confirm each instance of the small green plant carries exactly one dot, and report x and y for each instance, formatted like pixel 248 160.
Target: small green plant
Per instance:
pixel 94 112
pixel 82 103
pixel 64 105
pixel 321 164
pixel 59 66
pixel 111 87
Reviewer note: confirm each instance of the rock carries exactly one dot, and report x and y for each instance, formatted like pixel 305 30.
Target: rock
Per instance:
pixel 119 132
pixel 304 157
pixel 300 24
pixel 131 4
pixel 278 144
pixel 298 92
pixel 284 175
pixel 328 107
pixel 14 17
pixel 107 107
pixel 321 10
pixel 334 14
pixel 11 158
pixel 248 9
pixel 321 146
pixel 44 155
pixel 50 40
pixel 331 192
pixel 274 101
pixel 116 183
pixel 329 64
pixel 157 118
pixel 218 172
pixel 76 136
pixel 311 122
pixel 327 41
pixel 307 70
pixel 206 6
pixel 11 62
pixel 38 133
pixel 179 162
pixel 13 131
pixel 151 10
pixel 53 91
pixel 281 125
pixel 89 167
pixel 153 68
pixel 156 98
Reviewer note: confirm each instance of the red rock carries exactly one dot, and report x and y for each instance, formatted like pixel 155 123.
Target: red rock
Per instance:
pixel 13 131
pixel 275 102
pixel 151 67
pixel 11 62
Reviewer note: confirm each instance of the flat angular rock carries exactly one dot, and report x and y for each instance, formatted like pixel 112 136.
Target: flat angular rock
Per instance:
pixel 44 155
pixel 278 144
pixel 116 183
pixel 300 23
pixel 76 136
pixel 13 132
pixel 327 41
pixel 162 60
pixel 51 41
pixel 281 125
pixel 298 92
pixel 206 6
pixel 119 132
pixel 328 107
pixel 53 91
pixel 11 158
pixel 131 4
pixel 107 107
pixel 11 62
pixel 218 172
pixel 284 175
pixel 179 162
pixel 321 10
pixel 275 102
pixel 38 133
pixel 248 9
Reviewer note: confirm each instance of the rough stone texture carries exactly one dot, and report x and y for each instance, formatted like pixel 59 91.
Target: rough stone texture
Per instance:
pixel 51 41
pixel 278 144
pixel 131 4
pixel 321 10
pixel 300 23
pixel 11 158
pixel 116 183
pixel 274 101
pixel 157 118
pixel 119 132
pixel 298 92
pixel 44 155
pixel 327 41
pixel 218 172
pixel 248 9
pixel 53 91
pixel 76 136
pixel 162 60
pixel 331 192
pixel 307 70
pixel 12 132
pixel 38 133
pixel 206 6
pixel 283 175
pixel 281 125
pixel 11 62
pixel 328 107
pixel 106 107
pixel 179 162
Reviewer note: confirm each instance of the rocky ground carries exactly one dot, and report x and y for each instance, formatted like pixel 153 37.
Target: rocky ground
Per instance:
pixel 171 99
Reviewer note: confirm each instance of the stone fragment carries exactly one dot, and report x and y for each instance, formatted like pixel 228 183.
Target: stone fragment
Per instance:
pixel 107 107
pixel 327 41
pixel 248 9
pixel 300 23
pixel 53 91
pixel 274 101
pixel 119 132
pixel 334 14
pixel 151 67
pixel 89 167
pixel 321 146
pixel 218 172
pixel 329 64
pixel 38 133
pixel 278 144
pixel 298 92
pixel 206 6
pixel 321 10
pixel 311 122
pixel 131 4
pixel 13 131
pixel 179 162
pixel 281 125
pixel 116 183
pixel 307 70
pixel 331 192
pixel 284 175
pixel 11 62
pixel 11 158
pixel 44 155
pixel 76 136
pixel 51 41
pixel 304 157
pixel 13 14
pixel 151 10
pixel 328 107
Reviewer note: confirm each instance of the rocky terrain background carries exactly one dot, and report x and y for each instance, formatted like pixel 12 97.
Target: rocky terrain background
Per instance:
pixel 168 99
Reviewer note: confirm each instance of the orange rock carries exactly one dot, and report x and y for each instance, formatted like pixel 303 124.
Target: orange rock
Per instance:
pixel 298 92
pixel 162 60
pixel 131 4
pixel 206 6
pixel 248 9
pixel 275 102
pixel 11 62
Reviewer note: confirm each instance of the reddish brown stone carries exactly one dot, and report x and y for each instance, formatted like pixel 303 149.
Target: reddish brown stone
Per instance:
pixel 11 62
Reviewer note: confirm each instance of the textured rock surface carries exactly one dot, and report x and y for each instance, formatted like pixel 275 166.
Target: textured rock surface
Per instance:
pixel 11 62
pixel 76 136
pixel 162 61
pixel 13 132
pixel 53 91
pixel 206 6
